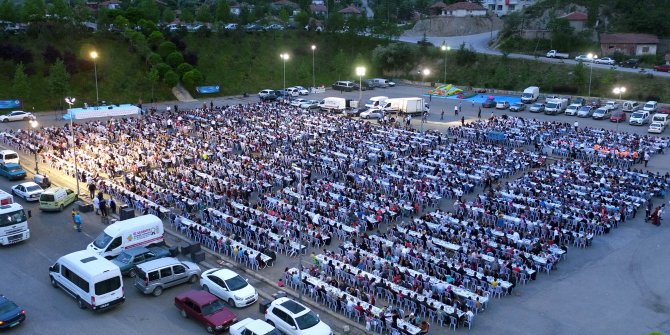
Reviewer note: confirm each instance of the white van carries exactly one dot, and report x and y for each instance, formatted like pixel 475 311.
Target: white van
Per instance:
pixel 630 106
pixel 8 156
pixel 93 281
pixel 530 94
pixel 376 101
pixel 142 231
pixel 380 82
pixel 650 106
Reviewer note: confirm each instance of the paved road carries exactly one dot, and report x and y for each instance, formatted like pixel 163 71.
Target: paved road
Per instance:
pixel 618 286
pixel 368 11
pixel 480 44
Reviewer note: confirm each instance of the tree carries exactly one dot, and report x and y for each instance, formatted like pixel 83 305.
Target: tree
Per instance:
pixel 149 10
pixel 162 69
pixel 34 10
pixel 61 9
pixel 59 80
pixel 154 59
pixel 183 68
pixel 192 78
pixel 302 19
pixel 561 33
pixel 222 13
pixel 171 78
pixel 204 14
pixel 187 15
pixel 335 22
pixel 20 85
pixel 120 22
pixel 579 75
pixel 166 48
pixel 168 15
pixel 81 12
pixel 174 59
pixel 8 11
pixel 156 38
pixel 152 78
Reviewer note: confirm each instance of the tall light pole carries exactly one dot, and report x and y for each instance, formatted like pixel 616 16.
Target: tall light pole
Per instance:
pixel 36 149
pixel 284 57
pixel 313 71
pixel 619 90
pixel 445 48
pixel 360 72
pixel 592 58
pixel 94 56
pixel 425 73
pixel 70 101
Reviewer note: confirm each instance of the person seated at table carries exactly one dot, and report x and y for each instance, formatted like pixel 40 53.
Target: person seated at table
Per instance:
pixel 425 327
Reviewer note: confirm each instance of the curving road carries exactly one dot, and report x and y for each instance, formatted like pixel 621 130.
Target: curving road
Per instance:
pixel 368 11
pixel 480 44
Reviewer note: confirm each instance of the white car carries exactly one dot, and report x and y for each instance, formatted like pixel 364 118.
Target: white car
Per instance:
pixel 293 318
pixel 17 116
pixel 29 191
pixel 292 91
pixel 251 326
pixel 372 113
pixel 502 105
pixel 310 104
pixel 656 127
pixel 612 105
pixel 639 118
pixel 391 84
pixel 572 109
pixel 301 90
pixel 605 60
pixel 298 102
pixel 583 58
pixel 228 286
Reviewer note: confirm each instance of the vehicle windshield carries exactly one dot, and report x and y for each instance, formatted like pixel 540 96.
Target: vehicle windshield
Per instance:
pixel 655 125
pixel 11 156
pixel 551 105
pixel 102 240
pixel 307 320
pixel 649 106
pixel 11 218
pixel 537 105
pixel 33 188
pixel 236 283
pixel 213 307
pixel 124 257
pixel 14 168
pixel 527 95
pixel 7 307
pixel 46 197
pixel 585 109
pixel 637 115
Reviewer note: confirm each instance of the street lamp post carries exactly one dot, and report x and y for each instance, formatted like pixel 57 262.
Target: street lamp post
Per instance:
pixel 36 149
pixel 592 58
pixel 313 71
pixel 619 90
pixel 70 101
pixel 94 56
pixel 360 72
pixel 426 73
pixel 284 58
pixel 446 49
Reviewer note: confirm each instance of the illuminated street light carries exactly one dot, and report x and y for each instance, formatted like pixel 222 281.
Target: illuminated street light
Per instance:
pixel 446 49
pixel 592 59
pixel 70 101
pixel 94 56
pixel 360 72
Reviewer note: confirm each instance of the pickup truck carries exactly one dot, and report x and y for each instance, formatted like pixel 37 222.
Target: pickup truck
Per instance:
pixel 556 54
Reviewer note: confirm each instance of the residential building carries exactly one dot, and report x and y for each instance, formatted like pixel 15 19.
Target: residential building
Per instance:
pixel 235 9
pixel 318 9
pixel 504 7
pixel 628 44
pixel 350 10
pixel 577 20
pixel 284 4
pixel 464 9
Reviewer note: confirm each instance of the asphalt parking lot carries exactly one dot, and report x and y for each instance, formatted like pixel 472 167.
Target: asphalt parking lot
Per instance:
pixel 618 286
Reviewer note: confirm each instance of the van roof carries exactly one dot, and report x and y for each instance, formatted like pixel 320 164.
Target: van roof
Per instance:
pixel 10 207
pixel 53 190
pixel 87 262
pixel 118 226
pixel 157 263
pixel 7 152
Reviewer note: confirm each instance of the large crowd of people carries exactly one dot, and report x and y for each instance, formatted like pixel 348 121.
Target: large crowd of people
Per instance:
pixel 266 180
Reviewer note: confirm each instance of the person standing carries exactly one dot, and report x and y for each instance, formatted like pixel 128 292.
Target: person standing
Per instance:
pixel 463 120
pixel 96 205
pixel 647 211
pixel 77 222
pixel 442 115
pixel 479 114
pixel 103 206
pixel 91 189
pixel 646 158
pixel 112 205
pixel 74 222
pixel 460 107
pixel 455 110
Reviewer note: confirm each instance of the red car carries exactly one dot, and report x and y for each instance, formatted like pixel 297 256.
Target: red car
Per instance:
pixel 662 68
pixel 205 308
pixel 618 116
pixel 663 109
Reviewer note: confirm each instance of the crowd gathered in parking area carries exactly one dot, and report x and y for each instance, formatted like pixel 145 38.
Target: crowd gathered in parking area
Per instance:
pixel 266 180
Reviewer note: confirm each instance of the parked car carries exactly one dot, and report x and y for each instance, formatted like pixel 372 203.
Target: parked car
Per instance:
pixel 489 103
pixel 612 105
pixel 537 107
pixel 605 60
pixel 602 113
pixel 12 171
pixel 662 68
pixel 155 276
pixel 293 318
pixel 618 116
pixel 129 258
pixel 585 111
pixel 11 315
pixel 29 191
pixel 205 308
pixel 372 113
pixel 631 106
pixel 517 107
pixel 595 103
pixel 345 85
pixel 656 127
pixel 229 287
pixel 57 198
pixel 502 105
pixel 275 26
pixel 355 111
pixel 267 95
pixel 631 63
pixel 298 102
pixel 251 27
pixel 230 26
pixel 579 101
pixel 292 92
pixel 310 104
pixel 251 326
pixel 572 109
pixel 301 90
pixel 583 58
pixel 639 118
pixel 17 116
pixel 663 109
pixel 650 106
